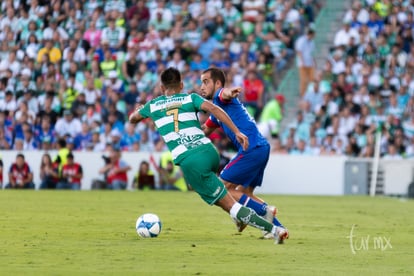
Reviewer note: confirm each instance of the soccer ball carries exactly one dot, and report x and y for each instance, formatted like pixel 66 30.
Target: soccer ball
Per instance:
pixel 148 226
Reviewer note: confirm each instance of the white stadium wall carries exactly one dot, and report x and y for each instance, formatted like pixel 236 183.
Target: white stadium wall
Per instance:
pixel 304 175
pixel 285 174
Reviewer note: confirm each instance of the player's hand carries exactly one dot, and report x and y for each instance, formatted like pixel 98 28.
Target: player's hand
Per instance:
pixel 243 140
pixel 232 92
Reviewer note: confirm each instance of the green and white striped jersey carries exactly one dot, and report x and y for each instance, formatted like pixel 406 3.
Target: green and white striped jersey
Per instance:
pixel 176 120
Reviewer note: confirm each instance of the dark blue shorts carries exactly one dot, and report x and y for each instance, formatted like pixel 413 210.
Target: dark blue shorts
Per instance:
pixel 247 167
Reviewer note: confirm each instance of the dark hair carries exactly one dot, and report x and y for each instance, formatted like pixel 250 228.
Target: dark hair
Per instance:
pixel 20 155
pixel 42 164
pixel 171 78
pixel 62 143
pixel 70 155
pixel 216 75
pixel 143 163
pixel 4 81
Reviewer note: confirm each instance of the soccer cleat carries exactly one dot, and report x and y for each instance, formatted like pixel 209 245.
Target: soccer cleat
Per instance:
pixel 271 212
pixel 281 234
pixel 239 225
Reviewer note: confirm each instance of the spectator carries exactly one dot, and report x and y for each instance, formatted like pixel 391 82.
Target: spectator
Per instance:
pixel 132 97
pixel 71 175
pixel 53 28
pixel 253 93
pixel 116 171
pixel 207 44
pixel 252 9
pixel 83 138
pixel 130 137
pixel 271 117
pixel 9 102
pixel 343 36
pixel 20 175
pixel 79 55
pixel 29 142
pixel 49 172
pixel 45 131
pixel 79 106
pixel 278 147
pixel 53 53
pixel 63 151
pixel 115 35
pixel 108 62
pixel 93 35
pixel 392 153
pixel 68 124
pixel 5 142
pixel 144 179
pixel 171 177
pixel 92 94
pixel 141 13
pixel 305 47
pixel 116 84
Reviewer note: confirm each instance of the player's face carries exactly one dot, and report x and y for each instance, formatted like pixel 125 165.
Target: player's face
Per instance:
pixel 207 86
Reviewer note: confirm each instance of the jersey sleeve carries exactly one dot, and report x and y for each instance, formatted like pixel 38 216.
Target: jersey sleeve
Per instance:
pixel 145 110
pixel 197 100
pixel 219 97
pixel 212 122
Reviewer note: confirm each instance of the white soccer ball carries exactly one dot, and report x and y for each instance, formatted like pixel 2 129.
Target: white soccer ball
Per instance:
pixel 148 226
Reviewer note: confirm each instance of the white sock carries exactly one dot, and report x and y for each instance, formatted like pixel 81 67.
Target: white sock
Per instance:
pixel 235 210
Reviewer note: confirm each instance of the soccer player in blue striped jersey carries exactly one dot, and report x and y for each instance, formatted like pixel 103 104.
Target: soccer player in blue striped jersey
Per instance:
pixel 245 171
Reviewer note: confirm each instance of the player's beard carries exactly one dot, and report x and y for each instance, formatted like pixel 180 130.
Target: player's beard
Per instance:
pixel 209 96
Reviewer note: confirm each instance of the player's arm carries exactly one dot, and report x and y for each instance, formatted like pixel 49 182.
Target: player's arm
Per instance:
pixel 135 116
pixel 223 117
pixel 227 94
pixel 208 127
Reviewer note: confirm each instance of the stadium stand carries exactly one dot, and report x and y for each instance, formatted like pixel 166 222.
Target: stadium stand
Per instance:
pixel 75 69
pixel 366 85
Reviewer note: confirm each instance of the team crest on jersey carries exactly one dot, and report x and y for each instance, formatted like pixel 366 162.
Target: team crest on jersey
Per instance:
pixel 189 141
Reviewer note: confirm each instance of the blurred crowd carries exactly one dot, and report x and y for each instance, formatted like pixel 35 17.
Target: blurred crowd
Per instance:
pixel 75 69
pixel 366 87
pixel 65 171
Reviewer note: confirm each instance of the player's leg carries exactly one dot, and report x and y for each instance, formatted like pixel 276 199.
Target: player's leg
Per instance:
pixel 249 191
pixel 271 211
pixel 201 173
pixel 241 171
pixel 244 199
pixel 249 217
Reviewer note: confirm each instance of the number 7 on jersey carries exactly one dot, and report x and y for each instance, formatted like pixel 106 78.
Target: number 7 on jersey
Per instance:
pixel 174 112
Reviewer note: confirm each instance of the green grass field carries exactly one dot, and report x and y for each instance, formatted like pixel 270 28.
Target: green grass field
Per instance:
pixel 78 233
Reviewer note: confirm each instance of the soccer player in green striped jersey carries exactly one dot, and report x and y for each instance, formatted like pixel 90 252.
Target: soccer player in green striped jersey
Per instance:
pixel 175 116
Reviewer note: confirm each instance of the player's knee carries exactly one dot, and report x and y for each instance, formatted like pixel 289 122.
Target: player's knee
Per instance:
pixel 246 191
pixel 226 202
pixel 229 185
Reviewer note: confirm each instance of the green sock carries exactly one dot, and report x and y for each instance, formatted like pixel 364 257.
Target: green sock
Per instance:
pixel 249 216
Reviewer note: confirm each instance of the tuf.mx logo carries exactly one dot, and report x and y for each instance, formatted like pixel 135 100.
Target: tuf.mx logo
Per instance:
pixel 366 243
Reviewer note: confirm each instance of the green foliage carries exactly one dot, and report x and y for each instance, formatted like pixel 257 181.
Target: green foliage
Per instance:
pixel 82 233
